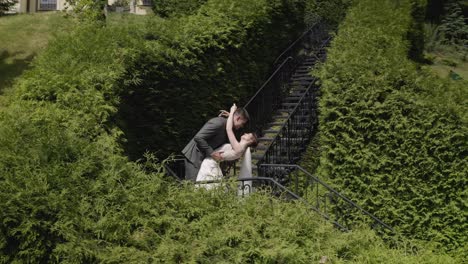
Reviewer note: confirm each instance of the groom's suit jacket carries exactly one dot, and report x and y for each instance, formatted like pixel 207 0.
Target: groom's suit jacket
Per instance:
pixel 211 136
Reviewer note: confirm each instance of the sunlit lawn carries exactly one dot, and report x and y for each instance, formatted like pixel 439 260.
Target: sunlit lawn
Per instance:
pixel 445 62
pixel 22 37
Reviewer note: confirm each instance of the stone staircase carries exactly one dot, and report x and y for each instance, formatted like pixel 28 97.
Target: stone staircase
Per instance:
pixel 305 123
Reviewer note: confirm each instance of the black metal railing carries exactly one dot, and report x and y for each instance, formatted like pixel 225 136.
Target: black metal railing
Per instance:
pixel 267 99
pixel 328 203
pixel 175 167
pixel 309 40
pixel 322 198
pixel 294 134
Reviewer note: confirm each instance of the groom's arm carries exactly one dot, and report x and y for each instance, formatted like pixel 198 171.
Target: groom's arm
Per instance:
pixel 209 130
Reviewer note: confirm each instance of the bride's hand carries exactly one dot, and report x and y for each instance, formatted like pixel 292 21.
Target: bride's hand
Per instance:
pixel 233 108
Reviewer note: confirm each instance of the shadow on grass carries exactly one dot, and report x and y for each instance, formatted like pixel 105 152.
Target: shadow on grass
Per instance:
pixel 11 67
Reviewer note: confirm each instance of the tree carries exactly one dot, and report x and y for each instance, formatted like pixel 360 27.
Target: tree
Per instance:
pixel 5 5
pixel 453 24
pixel 89 10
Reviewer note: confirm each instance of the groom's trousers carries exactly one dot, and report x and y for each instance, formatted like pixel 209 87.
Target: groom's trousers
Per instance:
pixel 190 171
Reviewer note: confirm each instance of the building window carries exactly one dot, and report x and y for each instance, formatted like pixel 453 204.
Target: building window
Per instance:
pixel 48 5
pixel 146 2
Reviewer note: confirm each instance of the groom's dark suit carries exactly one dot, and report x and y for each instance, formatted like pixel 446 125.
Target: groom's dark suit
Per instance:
pixel 211 136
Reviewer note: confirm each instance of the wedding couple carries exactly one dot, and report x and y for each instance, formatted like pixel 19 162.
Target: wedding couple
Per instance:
pixel 215 142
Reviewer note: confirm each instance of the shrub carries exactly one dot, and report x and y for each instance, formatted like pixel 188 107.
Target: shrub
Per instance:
pixel 392 136
pixel 61 165
pixel 173 8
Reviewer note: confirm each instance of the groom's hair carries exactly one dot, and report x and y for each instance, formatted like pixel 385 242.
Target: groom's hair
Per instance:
pixel 243 113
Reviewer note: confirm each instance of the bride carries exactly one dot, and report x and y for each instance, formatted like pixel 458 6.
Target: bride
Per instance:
pixel 210 169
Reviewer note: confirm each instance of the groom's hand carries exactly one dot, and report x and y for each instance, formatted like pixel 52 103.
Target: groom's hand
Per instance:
pixel 217 156
pixel 223 113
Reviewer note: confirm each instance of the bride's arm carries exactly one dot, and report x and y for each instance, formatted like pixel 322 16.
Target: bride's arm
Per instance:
pixel 236 146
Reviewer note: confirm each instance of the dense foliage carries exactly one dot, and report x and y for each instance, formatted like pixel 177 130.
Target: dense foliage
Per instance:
pixel 69 194
pixel 447 30
pixel 170 8
pixel 454 28
pixel 192 66
pixel 61 169
pixel 331 12
pixel 394 137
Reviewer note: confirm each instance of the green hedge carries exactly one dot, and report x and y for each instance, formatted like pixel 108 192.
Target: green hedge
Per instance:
pixel 394 137
pixel 61 167
pixel 194 65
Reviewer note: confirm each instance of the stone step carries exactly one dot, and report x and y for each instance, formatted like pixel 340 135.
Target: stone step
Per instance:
pixel 297 93
pixel 310 63
pixel 284 111
pixel 302 77
pixel 277 130
pixel 279 159
pixel 292 98
pixel 277 123
pixel 303 70
pixel 298 86
pixel 301 124
pixel 289 105
pixel 262 147
pixel 300 83
pixel 265 139
pixel 293 140
pixel 295 149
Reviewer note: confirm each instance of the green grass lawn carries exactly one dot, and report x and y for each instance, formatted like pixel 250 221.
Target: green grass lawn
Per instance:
pixel 22 37
pixel 446 61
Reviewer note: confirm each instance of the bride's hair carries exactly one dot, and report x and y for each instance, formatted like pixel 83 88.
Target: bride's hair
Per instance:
pixel 253 140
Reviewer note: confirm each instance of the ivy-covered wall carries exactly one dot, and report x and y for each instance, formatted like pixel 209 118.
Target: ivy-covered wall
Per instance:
pixel 392 135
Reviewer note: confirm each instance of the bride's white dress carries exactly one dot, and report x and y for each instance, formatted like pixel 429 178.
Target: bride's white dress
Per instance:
pixel 210 169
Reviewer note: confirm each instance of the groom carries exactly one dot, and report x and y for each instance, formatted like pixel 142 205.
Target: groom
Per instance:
pixel 211 136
